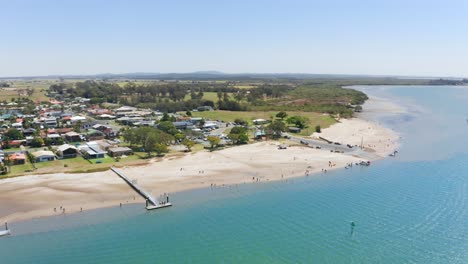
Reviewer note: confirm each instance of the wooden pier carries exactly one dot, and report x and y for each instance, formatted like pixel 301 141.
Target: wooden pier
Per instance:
pixel 151 202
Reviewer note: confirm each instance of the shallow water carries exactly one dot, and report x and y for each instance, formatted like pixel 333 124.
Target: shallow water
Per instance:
pixel 408 209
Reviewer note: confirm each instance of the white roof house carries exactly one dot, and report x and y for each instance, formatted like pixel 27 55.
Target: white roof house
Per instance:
pixel 75 119
pixel 43 155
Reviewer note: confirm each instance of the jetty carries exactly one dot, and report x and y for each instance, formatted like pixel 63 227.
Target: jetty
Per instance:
pixel 151 202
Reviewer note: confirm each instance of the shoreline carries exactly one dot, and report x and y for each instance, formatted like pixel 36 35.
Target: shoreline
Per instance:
pixel 29 197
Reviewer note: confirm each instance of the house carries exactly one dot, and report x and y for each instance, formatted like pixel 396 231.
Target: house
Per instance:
pixel 76 119
pixel 94 134
pixel 17 125
pixel 29 131
pixel 50 122
pixel 29 140
pixel 72 137
pixel 183 125
pixel 99 111
pixel 119 151
pixel 210 125
pixel 259 121
pixel 43 155
pixel 107 144
pixel 144 123
pixel 15 143
pixel 88 124
pixel 66 151
pixel 259 134
pixel 204 108
pixel 17 158
pixel 124 110
pixel 92 151
pixel 54 139
pixel 63 130
pixel 107 116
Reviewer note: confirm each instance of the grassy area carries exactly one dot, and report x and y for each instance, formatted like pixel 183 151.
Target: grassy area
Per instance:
pixel 20 169
pixel 245 86
pixel 39 88
pixel 314 119
pixel 212 96
pixel 77 165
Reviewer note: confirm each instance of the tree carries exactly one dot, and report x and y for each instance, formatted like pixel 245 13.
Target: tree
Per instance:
pixel 168 127
pixel 13 134
pixel 165 117
pixel 179 136
pixel 318 129
pixel 160 149
pixel 37 142
pixel 298 121
pixel 188 144
pixel 3 169
pixel 214 141
pixel 243 139
pixel 129 136
pixel 234 137
pixel 240 122
pixel 238 130
pixel 276 128
pixel 77 127
pixel 188 113
pixel 358 108
pixel 282 115
pixel 150 143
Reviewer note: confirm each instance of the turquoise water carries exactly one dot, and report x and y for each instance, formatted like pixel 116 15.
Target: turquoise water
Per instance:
pixel 408 209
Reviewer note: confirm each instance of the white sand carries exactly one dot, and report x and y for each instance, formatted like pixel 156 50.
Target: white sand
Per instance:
pixel 355 131
pixel 35 196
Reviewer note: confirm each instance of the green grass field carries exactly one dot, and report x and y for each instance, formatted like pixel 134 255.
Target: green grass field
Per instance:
pixel 212 96
pixel 76 165
pixel 314 119
pixel 245 86
pixel 14 91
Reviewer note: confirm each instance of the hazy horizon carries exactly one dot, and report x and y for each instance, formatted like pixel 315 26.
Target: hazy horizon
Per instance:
pixel 214 73
pixel 399 38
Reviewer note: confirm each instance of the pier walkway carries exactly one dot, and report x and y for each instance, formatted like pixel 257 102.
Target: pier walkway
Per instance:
pixel 137 188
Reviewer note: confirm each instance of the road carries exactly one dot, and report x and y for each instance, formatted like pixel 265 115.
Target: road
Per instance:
pixel 313 143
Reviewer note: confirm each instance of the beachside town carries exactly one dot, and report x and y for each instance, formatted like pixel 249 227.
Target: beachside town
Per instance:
pixel 74 133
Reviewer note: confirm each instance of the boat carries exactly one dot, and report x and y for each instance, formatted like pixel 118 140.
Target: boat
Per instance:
pixel 364 163
pixel 5 232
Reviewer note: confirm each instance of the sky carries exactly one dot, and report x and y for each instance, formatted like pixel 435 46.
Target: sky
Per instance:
pixel 372 37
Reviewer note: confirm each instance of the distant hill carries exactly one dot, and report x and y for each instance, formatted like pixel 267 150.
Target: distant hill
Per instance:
pixel 216 75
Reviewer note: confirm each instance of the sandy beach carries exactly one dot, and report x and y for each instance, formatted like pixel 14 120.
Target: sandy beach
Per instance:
pixel 46 195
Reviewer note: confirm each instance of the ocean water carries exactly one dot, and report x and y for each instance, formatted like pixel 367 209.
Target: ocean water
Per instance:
pixel 409 209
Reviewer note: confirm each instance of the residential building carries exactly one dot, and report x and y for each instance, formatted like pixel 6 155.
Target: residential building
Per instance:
pixel 43 155
pixel 92 151
pixel 72 137
pixel 17 158
pixel 66 151
pixel 119 151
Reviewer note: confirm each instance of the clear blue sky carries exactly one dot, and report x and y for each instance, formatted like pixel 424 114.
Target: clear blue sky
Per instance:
pixel 393 37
